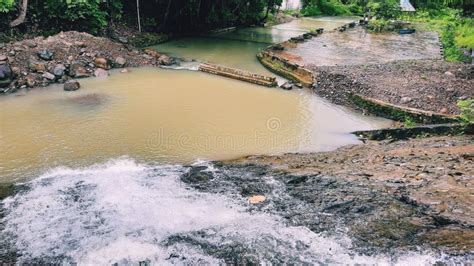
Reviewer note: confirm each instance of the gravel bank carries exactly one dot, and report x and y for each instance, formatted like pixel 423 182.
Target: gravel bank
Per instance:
pixel 431 85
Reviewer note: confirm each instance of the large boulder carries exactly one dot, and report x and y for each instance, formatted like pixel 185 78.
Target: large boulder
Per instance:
pixel 120 62
pixel 152 53
pixel 48 76
pixel 101 73
pixel 165 60
pixel 78 71
pixel 102 63
pixel 37 66
pixel 6 75
pixel 72 85
pixel 59 70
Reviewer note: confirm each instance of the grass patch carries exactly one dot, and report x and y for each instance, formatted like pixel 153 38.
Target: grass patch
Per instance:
pixel 456 32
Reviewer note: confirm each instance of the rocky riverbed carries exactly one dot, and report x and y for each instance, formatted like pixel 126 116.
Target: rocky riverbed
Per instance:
pixel 403 195
pixel 69 55
pixel 388 200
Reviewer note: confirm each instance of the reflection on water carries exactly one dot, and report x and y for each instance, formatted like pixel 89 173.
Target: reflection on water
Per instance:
pixel 238 54
pixel 239 48
pixel 167 116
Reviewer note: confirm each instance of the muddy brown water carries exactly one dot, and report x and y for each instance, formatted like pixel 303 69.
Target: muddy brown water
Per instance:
pixel 175 116
pixel 167 116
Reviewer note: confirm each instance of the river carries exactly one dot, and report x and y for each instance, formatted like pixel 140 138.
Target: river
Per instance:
pixel 102 168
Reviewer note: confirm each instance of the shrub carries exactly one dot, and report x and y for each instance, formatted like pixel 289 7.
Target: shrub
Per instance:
pixel 324 7
pixel 467 110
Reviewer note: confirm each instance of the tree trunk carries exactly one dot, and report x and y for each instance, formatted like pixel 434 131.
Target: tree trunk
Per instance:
pixel 269 6
pixel 138 16
pixel 165 19
pixel 21 18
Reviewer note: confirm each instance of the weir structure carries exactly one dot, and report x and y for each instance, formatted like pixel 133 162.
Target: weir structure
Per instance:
pixel 239 74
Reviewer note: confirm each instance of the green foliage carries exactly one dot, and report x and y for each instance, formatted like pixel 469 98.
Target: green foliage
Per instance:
pixel 324 7
pixel 86 15
pixel 465 33
pixel 6 5
pixel 148 39
pixel 467 110
pixel 455 31
pixel 387 9
pixel 409 122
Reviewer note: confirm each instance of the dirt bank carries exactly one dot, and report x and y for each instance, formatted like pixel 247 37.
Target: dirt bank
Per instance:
pixel 41 61
pixel 388 196
pixel 431 85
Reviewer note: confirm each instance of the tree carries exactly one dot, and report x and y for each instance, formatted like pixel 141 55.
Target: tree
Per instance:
pixel 22 16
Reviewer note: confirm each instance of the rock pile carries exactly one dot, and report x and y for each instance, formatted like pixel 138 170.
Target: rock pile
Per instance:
pixel 69 55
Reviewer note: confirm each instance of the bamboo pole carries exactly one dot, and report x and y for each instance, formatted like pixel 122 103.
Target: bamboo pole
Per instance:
pixel 138 16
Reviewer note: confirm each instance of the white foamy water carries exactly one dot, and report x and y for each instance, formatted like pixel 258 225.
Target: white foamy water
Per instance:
pixel 123 212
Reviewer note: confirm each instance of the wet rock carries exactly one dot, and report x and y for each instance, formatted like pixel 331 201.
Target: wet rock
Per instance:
pixel 72 85
pixel 278 47
pixel 59 70
pixel 78 71
pixel 101 73
pixel 198 174
pixel 45 55
pixel 37 66
pixel 152 53
pixel 48 76
pixel 165 60
pixel 257 199
pixel 287 86
pixel 6 75
pixel 6 190
pixel 120 62
pixel 297 180
pixel 297 39
pixel 102 63
pixel 3 58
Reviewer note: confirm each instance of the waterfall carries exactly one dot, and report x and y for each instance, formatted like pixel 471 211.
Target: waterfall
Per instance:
pixel 291 4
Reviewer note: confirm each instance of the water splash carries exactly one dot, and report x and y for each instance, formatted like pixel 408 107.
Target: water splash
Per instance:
pixel 124 212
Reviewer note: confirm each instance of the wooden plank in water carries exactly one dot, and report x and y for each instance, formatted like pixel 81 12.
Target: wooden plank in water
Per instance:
pixel 238 74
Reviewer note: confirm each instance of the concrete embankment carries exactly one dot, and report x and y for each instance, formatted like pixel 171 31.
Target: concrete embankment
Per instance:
pixel 238 74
